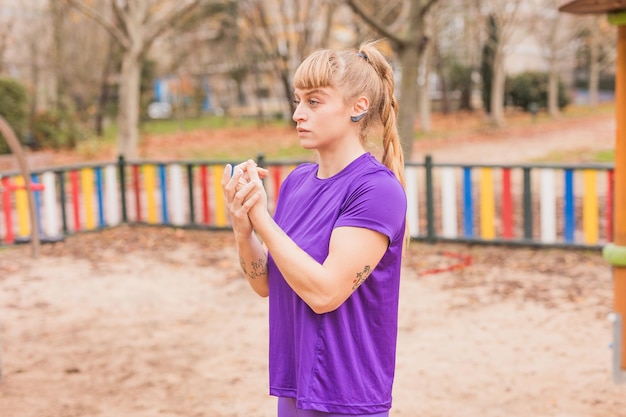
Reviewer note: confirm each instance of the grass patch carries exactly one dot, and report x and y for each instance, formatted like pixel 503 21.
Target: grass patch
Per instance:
pixel 572 111
pixel 160 127
pixel 290 152
pixel 604 156
pixel 576 156
pixel 93 148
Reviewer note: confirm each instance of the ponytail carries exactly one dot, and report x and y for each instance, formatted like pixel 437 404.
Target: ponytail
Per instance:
pixel 393 157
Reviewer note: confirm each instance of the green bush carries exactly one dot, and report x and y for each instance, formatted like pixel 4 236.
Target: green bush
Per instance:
pixel 13 107
pixel 55 130
pixel 532 87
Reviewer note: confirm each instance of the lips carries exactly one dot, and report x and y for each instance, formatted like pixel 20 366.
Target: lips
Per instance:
pixel 301 130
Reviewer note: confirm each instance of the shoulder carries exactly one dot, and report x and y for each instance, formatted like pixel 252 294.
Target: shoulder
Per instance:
pixel 377 179
pixel 303 169
pixel 299 173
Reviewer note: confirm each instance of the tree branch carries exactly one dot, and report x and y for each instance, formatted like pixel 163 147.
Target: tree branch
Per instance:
pixel 93 14
pixel 427 6
pixel 160 24
pixel 119 15
pixel 375 23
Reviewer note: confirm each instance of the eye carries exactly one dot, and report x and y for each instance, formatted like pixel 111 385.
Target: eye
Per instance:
pixel 296 102
pixel 313 102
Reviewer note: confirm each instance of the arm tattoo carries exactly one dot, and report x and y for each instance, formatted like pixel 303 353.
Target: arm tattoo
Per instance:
pixel 257 269
pixel 361 276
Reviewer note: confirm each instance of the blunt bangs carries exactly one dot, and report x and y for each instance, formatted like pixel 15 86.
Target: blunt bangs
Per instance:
pixel 317 71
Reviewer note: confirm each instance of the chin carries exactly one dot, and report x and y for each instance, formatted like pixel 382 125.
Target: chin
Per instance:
pixel 307 144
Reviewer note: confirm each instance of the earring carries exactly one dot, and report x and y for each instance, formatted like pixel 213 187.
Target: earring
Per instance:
pixel 358 118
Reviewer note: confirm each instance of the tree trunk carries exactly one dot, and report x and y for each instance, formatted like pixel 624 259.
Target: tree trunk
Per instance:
pixel 408 100
pixel 58 11
pixel 287 90
pixel 104 96
pixel 423 91
pixel 497 88
pixel 553 92
pixel 594 68
pixel 553 73
pixel 128 116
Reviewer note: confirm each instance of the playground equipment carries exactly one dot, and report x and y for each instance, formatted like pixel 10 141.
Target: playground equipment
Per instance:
pixel 615 252
pixel 16 148
pixel 6 187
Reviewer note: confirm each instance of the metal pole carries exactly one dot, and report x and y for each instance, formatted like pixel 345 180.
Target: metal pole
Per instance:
pixel 619 376
pixel 430 200
pixel 528 205
pixel 121 166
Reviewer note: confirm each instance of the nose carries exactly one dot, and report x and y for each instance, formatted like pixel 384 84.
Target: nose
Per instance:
pixel 298 114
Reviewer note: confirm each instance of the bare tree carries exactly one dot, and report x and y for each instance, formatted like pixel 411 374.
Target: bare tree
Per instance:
pixel 506 18
pixel 554 47
pixel 283 32
pixel 455 50
pixel 135 25
pixel 402 22
pixel 74 38
pixel 553 33
pixel 601 48
pixel 6 26
pixel 594 62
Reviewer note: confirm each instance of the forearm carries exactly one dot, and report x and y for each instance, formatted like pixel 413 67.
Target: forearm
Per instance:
pixel 253 262
pixel 307 277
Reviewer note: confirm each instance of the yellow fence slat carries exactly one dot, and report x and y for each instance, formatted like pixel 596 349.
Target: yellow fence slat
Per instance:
pixel 487 204
pixel 590 207
pixel 149 173
pixel 21 206
pixel 86 178
pixel 221 218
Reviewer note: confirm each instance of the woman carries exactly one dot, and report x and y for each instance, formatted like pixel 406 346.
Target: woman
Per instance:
pixel 330 258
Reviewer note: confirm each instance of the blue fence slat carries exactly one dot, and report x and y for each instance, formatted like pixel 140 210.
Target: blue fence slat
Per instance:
pixel 37 194
pixel 468 203
pixel 163 194
pixel 100 194
pixel 569 214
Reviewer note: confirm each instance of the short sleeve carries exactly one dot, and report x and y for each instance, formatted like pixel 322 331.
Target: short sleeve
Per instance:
pixel 378 203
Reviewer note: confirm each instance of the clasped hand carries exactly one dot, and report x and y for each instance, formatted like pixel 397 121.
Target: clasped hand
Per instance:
pixel 246 199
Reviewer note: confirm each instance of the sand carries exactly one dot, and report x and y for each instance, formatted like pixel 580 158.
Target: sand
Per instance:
pixel 144 321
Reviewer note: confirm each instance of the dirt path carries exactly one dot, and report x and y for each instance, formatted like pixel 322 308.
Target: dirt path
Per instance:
pixel 570 141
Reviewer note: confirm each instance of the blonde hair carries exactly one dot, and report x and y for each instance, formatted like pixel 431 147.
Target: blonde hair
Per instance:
pixel 361 72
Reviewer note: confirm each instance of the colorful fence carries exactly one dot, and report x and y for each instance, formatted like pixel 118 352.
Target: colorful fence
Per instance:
pixel 526 204
pixel 517 204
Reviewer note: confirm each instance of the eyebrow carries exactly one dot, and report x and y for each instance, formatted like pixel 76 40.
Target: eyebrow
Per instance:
pixel 313 91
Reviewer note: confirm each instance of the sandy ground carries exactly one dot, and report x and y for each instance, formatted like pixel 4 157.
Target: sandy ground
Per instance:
pixel 156 322
pixel 147 322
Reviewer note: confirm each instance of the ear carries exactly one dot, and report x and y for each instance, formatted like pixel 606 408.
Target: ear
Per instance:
pixel 361 105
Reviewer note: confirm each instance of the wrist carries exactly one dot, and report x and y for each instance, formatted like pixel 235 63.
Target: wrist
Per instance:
pixel 243 235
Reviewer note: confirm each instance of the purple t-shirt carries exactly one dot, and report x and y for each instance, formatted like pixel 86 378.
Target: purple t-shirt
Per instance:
pixel 342 361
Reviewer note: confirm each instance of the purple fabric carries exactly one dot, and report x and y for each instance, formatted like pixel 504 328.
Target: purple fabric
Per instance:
pixel 287 408
pixel 342 361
